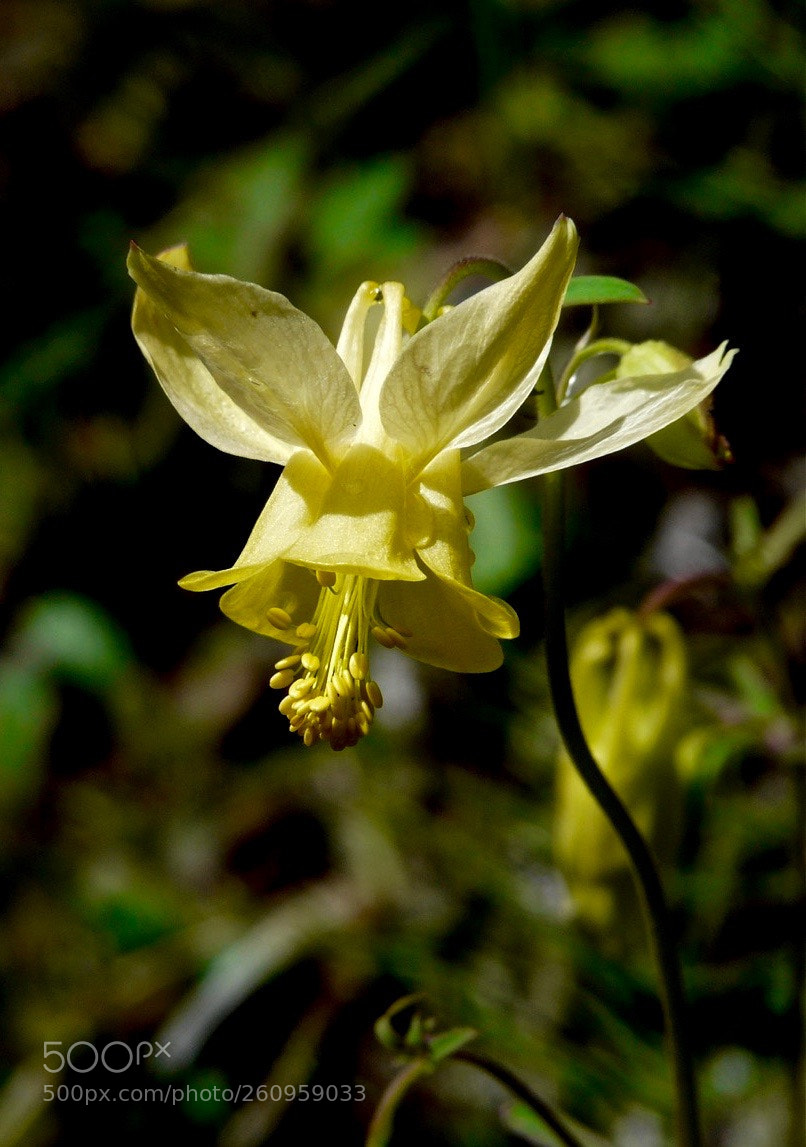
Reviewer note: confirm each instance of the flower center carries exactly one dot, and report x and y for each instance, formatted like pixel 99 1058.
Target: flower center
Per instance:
pixel 331 696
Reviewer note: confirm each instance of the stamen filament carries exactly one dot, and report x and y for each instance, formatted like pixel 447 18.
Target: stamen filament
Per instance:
pixel 331 695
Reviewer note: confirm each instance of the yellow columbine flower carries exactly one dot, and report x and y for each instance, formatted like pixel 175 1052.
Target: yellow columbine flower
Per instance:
pixel 365 532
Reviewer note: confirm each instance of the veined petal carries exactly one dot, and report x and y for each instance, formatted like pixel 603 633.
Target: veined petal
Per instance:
pixel 441 627
pixel 294 504
pixel 360 525
pixel 195 394
pixel 350 346
pixel 606 417
pixel 254 601
pixel 386 350
pixel 273 362
pixel 446 622
pixel 447 551
pixel 460 378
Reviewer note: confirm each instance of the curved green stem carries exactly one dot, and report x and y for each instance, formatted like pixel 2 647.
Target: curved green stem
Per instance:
pixel 504 1076
pixel 380 1128
pixel 489 268
pixel 644 867
pixel 583 353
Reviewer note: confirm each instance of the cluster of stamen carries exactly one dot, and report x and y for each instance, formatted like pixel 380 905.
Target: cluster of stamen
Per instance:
pixel 330 695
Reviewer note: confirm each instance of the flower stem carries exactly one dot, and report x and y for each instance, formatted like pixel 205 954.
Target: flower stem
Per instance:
pixel 539 1106
pixel 489 268
pixel 380 1129
pixel 644 867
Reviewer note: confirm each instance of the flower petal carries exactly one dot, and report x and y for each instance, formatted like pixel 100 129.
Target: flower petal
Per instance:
pixel 447 622
pixel 293 506
pixel 442 627
pixel 293 589
pixel 272 361
pixel 606 417
pixel 460 378
pixel 196 395
pixel 447 552
pixel 360 525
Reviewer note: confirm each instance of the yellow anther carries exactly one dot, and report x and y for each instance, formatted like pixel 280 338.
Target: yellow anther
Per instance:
pixel 282 679
pixel 382 637
pixel 396 638
pixel 341 708
pixel 279 618
pixel 331 696
pixel 374 695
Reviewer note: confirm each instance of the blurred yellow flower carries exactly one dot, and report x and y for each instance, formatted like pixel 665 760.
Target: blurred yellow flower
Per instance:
pixel 365 532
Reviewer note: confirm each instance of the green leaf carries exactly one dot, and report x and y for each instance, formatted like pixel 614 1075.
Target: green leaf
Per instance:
pixel 527 1124
pixel 239 211
pixel 357 215
pixel 589 290
pixel 390 1035
pixel 446 1043
pixel 74 637
pixel 63 350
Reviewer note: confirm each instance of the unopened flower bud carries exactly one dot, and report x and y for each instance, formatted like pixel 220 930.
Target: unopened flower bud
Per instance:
pixel 692 441
pixel 629 675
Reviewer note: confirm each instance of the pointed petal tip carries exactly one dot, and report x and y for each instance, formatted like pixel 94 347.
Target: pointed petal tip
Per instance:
pixel 566 223
pixel 136 261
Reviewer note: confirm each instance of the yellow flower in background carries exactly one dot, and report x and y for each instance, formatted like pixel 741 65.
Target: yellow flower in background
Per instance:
pixel 365 533
pixel 630 677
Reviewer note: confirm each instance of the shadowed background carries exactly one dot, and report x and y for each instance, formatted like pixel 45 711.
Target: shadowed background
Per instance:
pixel 173 864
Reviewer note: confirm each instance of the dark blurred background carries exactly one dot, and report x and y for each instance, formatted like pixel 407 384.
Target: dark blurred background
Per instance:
pixel 173 865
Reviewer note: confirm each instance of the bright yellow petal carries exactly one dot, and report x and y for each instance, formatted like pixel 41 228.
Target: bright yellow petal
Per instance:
pixel 460 378
pixel 292 508
pixel 199 399
pixel 360 526
pixel 447 551
pixel 254 601
pixel 442 628
pixel 272 361
pixel 604 418
pixel 445 621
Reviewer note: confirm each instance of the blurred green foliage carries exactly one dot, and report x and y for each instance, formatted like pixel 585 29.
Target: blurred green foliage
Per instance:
pixel 172 867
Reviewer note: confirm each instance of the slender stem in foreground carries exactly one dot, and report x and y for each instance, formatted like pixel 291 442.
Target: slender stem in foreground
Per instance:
pixel 644 867
pixel 519 1089
pixel 380 1129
